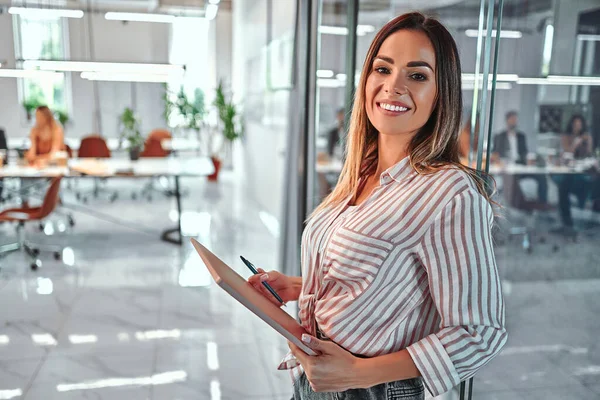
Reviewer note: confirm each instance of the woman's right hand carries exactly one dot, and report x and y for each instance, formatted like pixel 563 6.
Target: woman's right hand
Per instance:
pixel 287 287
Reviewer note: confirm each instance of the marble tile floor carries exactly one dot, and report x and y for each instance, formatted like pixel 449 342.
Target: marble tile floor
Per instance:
pixel 136 318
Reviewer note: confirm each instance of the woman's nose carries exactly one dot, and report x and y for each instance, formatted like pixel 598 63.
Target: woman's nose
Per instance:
pixel 395 85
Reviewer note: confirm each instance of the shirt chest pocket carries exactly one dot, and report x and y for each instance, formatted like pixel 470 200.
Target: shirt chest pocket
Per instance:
pixel 353 259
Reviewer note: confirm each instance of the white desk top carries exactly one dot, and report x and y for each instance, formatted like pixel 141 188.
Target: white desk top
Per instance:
pixel 580 166
pixel 112 167
pixel 175 144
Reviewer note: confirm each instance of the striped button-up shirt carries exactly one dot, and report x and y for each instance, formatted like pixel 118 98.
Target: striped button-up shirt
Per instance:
pixel 412 267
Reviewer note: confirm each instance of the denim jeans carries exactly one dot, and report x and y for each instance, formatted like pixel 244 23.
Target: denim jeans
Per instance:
pixel 410 389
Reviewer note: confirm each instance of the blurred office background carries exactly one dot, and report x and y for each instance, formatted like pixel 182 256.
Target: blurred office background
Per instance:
pixel 122 307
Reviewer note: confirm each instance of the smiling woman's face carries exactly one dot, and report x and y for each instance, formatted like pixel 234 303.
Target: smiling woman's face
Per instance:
pixel 401 87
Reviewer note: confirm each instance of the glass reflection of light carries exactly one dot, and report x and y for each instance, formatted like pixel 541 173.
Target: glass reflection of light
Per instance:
pixel 270 222
pixel 49 229
pixel 156 379
pixel 81 339
pixel 123 337
pixel 158 334
pixel 195 223
pixel 194 273
pixel 212 358
pixel 10 394
pixel 68 256
pixel 44 339
pixel 4 339
pixel 215 390
pixel 61 227
pixel 44 286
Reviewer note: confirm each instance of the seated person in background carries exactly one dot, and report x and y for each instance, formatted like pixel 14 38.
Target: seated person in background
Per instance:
pixel 46 137
pixel 334 151
pixel 464 142
pixel 334 135
pixel 4 149
pixel 578 143
pixel 511 145
pixel 577 140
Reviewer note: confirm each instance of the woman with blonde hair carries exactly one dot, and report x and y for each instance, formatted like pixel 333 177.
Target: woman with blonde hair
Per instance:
pixel 399 286
pixel 46 136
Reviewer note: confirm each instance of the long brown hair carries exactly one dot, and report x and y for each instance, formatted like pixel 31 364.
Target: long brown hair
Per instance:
pixel 48 116
pixel 435 145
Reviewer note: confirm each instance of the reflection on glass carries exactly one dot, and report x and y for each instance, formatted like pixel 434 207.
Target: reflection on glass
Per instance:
pixel 212 359
pixel 158 334
pixel 4 339
pixel 44 286
pixel 44 339
pixel 10 394
pixel 68 256
pixel 194 273
pixel 123 337
pixel 156 379
pixel 49 229
pixel 215 390
pixel 81 339
pixel 270 222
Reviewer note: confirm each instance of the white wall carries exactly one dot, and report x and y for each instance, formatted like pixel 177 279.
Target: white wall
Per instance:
pixel 261 162
pixel 112 41
pixel 116 41
pixel 563 47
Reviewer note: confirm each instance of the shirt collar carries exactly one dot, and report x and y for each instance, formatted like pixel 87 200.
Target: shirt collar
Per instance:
pixel 398 172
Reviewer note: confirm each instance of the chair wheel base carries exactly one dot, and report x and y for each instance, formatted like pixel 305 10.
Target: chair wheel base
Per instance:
pixel 35 265
pixel 57 255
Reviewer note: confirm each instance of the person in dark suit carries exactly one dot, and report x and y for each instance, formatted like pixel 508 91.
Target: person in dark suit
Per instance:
pixel 511 145
pixel 3 146
pixel 334 134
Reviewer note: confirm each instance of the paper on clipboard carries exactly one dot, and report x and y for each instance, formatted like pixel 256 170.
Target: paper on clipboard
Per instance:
pixel 253 300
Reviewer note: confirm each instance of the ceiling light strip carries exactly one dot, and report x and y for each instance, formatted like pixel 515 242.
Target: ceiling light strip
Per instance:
pixel 45 13
pixel 90 66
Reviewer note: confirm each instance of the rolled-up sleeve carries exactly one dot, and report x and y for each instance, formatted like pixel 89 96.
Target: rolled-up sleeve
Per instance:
pixel 457 253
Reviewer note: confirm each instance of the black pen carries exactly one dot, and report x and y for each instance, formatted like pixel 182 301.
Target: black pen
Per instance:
pixel 265 284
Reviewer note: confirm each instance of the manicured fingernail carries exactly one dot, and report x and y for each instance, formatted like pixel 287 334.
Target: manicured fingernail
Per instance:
pixel 305 338
pixel 264 277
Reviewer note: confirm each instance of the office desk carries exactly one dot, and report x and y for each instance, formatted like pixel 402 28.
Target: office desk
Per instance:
pixel 581 167
pixel 124 168
pixel 176 144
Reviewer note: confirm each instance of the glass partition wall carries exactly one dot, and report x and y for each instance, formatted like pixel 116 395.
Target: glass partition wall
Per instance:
pixel 530 79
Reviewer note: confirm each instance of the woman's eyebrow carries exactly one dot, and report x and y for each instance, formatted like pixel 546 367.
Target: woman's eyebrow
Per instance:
pixel 410 64
pixel 419 64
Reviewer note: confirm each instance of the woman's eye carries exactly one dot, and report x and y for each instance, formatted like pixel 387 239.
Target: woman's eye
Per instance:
pixel 382 70
pixel 419 77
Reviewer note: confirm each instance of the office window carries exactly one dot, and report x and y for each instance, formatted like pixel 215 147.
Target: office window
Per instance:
pixel 42 39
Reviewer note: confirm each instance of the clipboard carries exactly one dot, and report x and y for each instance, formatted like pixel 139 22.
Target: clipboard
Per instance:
pixel 252 299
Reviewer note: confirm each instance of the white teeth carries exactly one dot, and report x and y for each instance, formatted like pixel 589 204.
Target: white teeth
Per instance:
pixel 391 107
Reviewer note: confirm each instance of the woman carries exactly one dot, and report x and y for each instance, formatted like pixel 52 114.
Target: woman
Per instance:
pixel 46 137
pixel 399 284
pixel 578 143
pixel 577 140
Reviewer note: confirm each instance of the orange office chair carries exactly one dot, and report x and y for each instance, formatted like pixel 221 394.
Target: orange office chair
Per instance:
pixel 153 149
pixel 35 214
pixel 94 146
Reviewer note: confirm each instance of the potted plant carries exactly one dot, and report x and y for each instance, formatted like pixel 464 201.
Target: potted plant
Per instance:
pixel 62 116
pixel 130 131
pixel 30 105
pixel 229 126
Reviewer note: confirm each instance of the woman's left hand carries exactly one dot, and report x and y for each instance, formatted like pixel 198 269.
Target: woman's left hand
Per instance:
pixel 332 370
